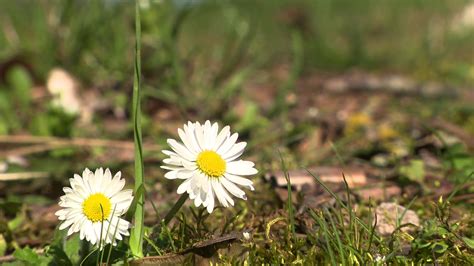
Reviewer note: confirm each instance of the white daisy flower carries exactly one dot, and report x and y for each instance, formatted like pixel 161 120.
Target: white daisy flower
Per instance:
pixel 95 202
pixel 207 162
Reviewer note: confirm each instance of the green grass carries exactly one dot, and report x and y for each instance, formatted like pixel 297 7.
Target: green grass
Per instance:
pixel 137 232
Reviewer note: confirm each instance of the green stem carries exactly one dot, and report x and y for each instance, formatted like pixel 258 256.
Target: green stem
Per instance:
pixel 136 235
pixel 99 255
pixel 175 208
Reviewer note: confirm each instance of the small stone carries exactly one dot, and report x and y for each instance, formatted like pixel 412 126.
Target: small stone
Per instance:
pixel 388 214
pixel 246 235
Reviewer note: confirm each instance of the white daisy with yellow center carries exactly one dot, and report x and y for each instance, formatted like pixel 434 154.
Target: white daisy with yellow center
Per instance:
pixel 207 162
pixel 93 205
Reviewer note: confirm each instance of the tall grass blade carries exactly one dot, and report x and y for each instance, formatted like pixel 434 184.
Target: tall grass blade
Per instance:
pixel 136 235
pixel 327 237
pixel 340 247
pixel 291 212
pixel 175 209
pixel 340 203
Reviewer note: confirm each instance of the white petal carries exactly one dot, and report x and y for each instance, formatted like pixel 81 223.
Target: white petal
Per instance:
pixel 211 135
pixel 115 186
pixel 232 188
pixel 190 134
pixel 184 186
pixel 107 177
pixel 198 201
pixel 228 143
pixel 239 180
pixel 189 165
pixel 171 174
pixel 223 135
pixel 187 141
pixel 210 200
pixel 218 186
pixel 171 168
pixel 172 161
pixel 121 201
pixel 241 168
pixel 219 193
pixel 199 135
pixel 169 153
pixel 235 151
pixel 181 150
pixel 185 174
pixel 65 224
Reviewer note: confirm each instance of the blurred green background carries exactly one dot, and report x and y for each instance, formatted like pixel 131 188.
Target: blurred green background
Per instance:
pixel 217 45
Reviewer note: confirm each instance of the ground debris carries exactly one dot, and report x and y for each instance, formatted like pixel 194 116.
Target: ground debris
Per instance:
pixel 390 214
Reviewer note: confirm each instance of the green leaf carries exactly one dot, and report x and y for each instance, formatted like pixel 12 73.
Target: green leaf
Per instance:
pixel 439 247
pixel 17 221
pixel 30 257
pixel 20 81
pixel 469 242
pixel 72 248
pixel 414 171
pixel 3 245
pixel 136 234
pixel 59 257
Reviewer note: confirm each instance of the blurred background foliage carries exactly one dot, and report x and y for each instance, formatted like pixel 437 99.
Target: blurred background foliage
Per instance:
pixel 241 62
pixel 193 47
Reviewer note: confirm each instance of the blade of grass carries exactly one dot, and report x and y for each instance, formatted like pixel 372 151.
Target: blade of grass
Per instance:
pixel 339 201
pixel 107 233
pixel 101 252
pixel 342 253
pixel 133 206
pixel 372 231
pixel 323 224
pixel 290 210
pixel 157 249
pixel 111 245
pixel 400 218
pixel 175 208
pixel 349 208
pixel 136 235
pixel 87 256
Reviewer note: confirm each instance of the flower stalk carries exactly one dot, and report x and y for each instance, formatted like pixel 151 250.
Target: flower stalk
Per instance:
pixel 136 236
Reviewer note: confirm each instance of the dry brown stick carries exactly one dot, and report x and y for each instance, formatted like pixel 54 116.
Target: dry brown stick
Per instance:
pixel 21 151
pixel 22 175
pixel 463 197
pixel 42 144
pixel 27 139
pixel 456 130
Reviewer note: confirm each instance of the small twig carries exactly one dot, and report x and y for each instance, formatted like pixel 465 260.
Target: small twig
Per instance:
pixel 22 176
pixel 175 208
pixel 455 130
pixel 42 144
pixel 22 151
pixel 7 258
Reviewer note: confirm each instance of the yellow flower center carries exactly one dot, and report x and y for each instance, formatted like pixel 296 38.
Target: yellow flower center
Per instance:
pixel 211 163
pixel 97 207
